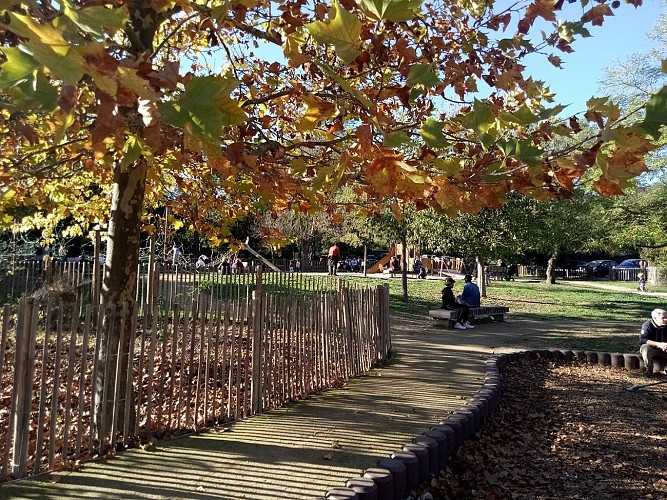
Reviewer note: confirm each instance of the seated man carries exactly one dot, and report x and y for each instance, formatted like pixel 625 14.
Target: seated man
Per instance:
pixel 448 302
pixel 653 339
pixel 470 295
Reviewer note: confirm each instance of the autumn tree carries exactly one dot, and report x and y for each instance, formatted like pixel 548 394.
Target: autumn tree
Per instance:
pixel 106 106
pixel 636 221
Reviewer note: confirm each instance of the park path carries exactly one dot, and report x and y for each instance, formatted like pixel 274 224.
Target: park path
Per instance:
pixel 609 285
pixel 311 446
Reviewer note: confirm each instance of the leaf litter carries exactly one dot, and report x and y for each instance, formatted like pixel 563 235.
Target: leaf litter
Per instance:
pixel 563 431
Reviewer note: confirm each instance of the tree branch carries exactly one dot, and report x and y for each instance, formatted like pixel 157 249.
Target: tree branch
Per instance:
pixel 264 35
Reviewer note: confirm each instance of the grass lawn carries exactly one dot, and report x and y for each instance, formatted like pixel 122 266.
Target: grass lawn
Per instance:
pixel 606 320
pixel 531 299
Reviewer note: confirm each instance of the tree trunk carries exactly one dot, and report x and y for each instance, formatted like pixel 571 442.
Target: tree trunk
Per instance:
pixel 304 253
pixel 404 268
pixel 481 278
pixel 119 287
pixel 551 269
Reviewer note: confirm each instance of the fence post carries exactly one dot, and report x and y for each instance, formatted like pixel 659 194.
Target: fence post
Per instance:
pixel 257 316
pixel 22 390
pixel 383 293
pixel 151 282
pixel 347 329
pixel 97 270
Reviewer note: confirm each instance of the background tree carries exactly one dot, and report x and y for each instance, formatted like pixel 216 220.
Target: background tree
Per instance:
pixel 306 230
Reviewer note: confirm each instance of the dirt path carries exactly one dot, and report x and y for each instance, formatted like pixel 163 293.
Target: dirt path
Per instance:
pixel 610 286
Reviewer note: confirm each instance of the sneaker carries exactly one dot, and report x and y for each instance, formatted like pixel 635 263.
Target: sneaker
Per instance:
pixel 648 373
pixel 468 325
pixel 459 326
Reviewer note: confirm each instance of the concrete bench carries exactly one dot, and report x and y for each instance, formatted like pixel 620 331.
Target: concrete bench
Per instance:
pixel 496 312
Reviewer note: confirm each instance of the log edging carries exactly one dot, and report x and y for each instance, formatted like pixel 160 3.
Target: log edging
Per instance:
pixel 394 477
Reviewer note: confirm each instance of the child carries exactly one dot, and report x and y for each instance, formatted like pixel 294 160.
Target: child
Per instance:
pixel 642 284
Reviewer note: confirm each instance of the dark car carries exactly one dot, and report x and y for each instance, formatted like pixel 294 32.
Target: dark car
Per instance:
pixel 632 264
pixel 598 268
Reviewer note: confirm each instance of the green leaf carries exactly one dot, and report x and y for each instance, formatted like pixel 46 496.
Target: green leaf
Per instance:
pixel 449 166
pixel 392 10
pixel 431 131
pixel 424 74
pixel 94 20
pixel 496 172
pixel 205 106
pixel 548 113
pixel 133 150
pixel 396 139
pixel 481 119
pixel 656 113
pixel 522 150
pixel 18 67
pixel 415 93
pixel 343 31
pixel 48 47
pixel 522 116
pixel 35 94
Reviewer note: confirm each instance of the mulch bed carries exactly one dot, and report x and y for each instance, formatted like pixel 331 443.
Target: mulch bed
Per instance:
pixel 570 431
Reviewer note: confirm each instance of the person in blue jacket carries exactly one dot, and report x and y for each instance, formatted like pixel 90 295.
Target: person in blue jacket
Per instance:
pixel 653 340
pixel 470 295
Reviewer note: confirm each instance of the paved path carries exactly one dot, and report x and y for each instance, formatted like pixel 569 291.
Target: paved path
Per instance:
pixel 609 285
pixel 302 451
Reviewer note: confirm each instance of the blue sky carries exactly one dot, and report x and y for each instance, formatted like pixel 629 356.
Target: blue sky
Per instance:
pixel 619 36
pixel 578 80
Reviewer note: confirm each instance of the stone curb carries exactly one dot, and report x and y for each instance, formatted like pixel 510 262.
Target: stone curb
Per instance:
pixel 427 454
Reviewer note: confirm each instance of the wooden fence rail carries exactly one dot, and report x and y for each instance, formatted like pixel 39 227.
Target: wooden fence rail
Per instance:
pixel 196 363
pixel 163 283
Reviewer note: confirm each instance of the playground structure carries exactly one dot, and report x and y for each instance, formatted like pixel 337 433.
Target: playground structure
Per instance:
pixel 437 266
pixel 270 265
pixel 382 263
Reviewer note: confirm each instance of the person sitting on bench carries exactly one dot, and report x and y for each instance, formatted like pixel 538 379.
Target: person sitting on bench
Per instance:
pixel 470 295
pixel 449 302
pixel 653 340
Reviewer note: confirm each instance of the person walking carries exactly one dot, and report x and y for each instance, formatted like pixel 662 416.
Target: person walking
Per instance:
pixel 449 302
pixel 175 256
pixel 333 257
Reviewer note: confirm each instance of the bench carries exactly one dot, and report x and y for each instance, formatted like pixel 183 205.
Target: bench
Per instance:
pixel 496 312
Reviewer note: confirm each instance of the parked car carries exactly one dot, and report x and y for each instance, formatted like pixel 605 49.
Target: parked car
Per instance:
pixel 597 268
pixel 633 264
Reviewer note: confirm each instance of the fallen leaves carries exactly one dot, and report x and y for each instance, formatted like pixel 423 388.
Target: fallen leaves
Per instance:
pixel 562 431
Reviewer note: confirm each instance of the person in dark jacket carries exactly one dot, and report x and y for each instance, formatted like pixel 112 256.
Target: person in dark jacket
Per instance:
pixel 449 302
pixel 653 340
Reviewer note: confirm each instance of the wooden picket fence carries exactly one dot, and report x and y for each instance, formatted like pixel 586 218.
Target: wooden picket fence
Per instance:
pixel 193 364
pixel 170 285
